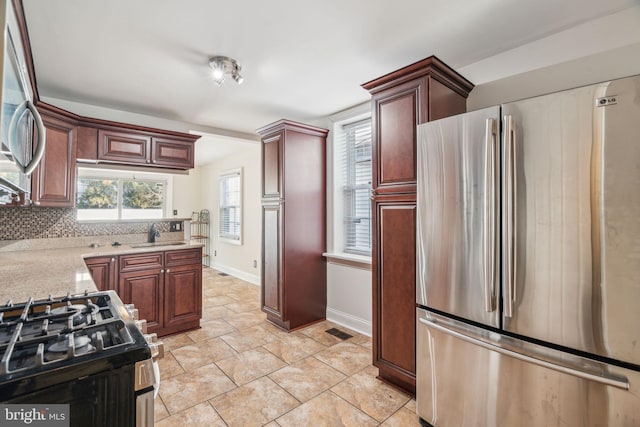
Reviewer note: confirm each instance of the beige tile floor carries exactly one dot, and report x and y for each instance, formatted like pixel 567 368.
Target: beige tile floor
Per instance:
pixel 239 370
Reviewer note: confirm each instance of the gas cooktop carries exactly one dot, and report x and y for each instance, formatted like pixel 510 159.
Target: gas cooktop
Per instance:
pixel 42 335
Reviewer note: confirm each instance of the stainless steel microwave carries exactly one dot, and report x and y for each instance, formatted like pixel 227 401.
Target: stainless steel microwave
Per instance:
pixel 22 136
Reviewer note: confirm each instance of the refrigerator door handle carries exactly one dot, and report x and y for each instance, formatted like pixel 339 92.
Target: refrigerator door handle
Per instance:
pixel 509 214
pixel 559 365
pixel 489 216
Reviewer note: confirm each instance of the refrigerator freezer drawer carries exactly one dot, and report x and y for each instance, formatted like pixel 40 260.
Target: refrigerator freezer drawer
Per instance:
pixel 473 377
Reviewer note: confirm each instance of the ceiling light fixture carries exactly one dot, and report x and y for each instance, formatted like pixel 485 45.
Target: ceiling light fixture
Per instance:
pixel 223 65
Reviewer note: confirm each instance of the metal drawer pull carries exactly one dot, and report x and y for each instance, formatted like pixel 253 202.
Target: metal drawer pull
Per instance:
pixel 610 380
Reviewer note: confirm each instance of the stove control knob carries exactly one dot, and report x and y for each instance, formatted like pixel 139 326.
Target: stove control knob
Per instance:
pixel 142 325
pixel 132 310
pixel 156 347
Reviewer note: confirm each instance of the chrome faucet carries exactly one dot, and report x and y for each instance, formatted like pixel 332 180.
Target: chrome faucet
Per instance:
pixel 153 233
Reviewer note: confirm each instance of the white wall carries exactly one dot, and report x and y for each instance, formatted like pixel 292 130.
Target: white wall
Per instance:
pixel 104 113
pixel 230 258
pixel 349 294
pixel 186 193
pixel 612 64
pixel 349 287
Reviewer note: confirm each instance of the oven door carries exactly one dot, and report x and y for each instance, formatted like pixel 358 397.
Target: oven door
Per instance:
pixel 147 385
pixel 106 399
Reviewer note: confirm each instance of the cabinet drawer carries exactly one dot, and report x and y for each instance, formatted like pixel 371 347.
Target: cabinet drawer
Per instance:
pixel 141 261
pixel 183 257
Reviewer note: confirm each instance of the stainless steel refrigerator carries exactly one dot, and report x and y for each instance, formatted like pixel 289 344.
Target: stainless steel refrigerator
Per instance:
pixel 528 247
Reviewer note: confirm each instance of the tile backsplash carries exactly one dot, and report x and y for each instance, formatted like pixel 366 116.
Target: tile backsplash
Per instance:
pixel 18 223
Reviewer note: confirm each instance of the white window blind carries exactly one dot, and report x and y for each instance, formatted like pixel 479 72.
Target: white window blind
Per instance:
pixel 357 178
pixel 230 219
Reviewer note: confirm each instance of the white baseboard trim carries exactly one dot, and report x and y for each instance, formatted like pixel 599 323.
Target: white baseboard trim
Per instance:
pixel 251 278
pixel 350 321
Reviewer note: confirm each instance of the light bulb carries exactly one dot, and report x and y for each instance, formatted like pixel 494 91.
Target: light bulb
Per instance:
pixel 218 73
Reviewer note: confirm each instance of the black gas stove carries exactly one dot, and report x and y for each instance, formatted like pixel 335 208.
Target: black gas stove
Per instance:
pixel 82 350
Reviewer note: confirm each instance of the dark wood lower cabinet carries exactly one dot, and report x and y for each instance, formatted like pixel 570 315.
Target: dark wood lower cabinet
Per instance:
pixel 394 317
pixel 182 298
pixel 165 287
pixel 272 264
pixel 145 290
pixel 104 271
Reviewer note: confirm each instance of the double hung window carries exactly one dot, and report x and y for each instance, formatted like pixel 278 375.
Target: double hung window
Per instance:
pixel 230 207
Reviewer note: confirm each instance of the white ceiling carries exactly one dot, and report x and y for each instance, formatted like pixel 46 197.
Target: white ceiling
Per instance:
pixel 302 59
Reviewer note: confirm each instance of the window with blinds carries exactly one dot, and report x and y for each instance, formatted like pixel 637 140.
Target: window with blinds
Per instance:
pixel 230 218
pixel 357 186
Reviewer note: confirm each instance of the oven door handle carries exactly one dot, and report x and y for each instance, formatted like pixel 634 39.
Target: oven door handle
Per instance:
pixel 156 379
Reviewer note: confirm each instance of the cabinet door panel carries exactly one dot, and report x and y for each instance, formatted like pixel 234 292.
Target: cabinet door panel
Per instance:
pixel 272 260
pixel 87 143
pixel 397 113
pixel 172 153
pixel 394 288
pixel 183 294
pixel 123 147
pixel 271 166
pixel 54 180
pixel 145 289
pixel 103 271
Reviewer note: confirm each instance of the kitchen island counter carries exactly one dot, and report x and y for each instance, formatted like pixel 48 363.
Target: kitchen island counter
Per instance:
pixel 55 271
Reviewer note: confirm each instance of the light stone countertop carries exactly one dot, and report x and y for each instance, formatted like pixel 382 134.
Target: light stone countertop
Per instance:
pixel 39 273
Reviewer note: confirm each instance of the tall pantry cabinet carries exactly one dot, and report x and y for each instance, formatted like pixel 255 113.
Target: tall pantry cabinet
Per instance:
pixel 294 290
pixel 424 91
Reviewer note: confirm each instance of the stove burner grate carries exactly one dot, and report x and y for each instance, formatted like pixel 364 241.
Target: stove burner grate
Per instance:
pixel 42 333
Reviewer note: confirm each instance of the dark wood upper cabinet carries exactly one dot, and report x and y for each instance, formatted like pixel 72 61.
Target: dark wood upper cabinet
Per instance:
pixel 294 289
pixel 87 144
pixel 396 118
pixel 53 181
pixel 271 165
pixel 143 149
pixel 400 101
pixel 172 153
pixel 124 147
pixel 103 141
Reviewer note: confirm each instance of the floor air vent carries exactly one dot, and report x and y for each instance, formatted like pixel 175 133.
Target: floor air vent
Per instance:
pixel 222 274
pixel 338 333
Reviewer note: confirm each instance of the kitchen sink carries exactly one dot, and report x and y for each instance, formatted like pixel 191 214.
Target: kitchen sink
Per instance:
pixel 150 245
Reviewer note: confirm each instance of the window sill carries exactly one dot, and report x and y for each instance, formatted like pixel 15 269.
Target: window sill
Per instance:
pixel 131 220
pixel 230 241
pixel 349 259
